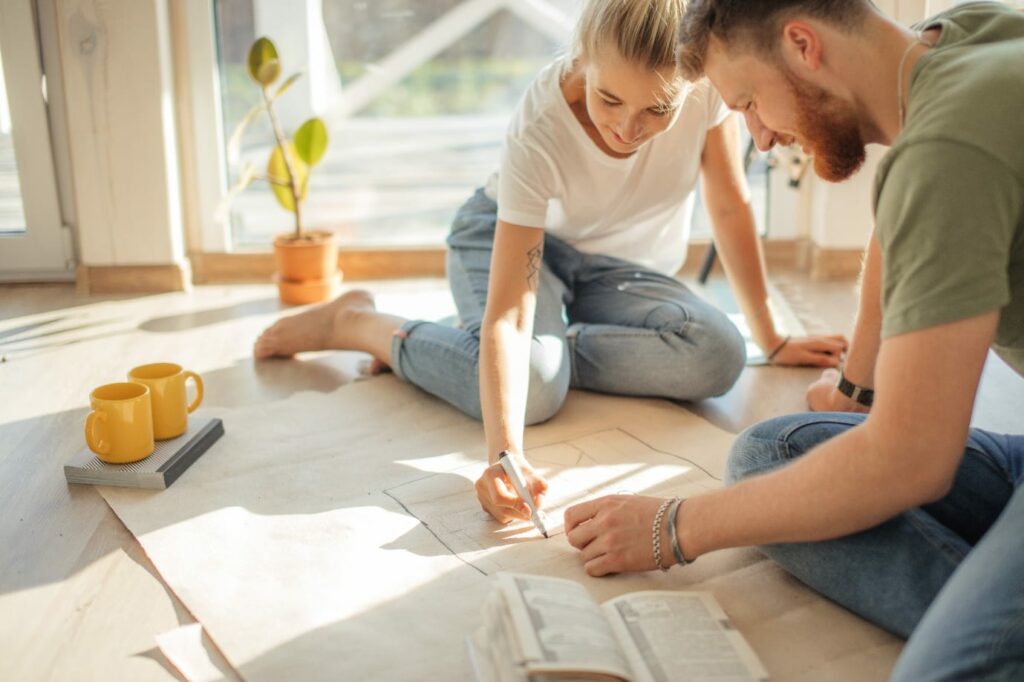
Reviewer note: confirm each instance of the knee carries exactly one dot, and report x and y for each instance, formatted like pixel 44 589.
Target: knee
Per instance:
pixel 724 352
pixel 765 445
pixel 549 379
pixel 715 356
pixel 549 376
pixel 543 405
pixel 772 443
pixel 725 363
pixel 753 451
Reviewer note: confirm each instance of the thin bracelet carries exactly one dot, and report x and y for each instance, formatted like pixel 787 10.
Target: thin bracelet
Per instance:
pixel 656 532
pixel 771 356
pixel 677 550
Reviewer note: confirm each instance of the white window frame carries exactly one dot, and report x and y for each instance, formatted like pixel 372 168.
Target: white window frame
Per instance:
pixel 45 250
pixel 200 126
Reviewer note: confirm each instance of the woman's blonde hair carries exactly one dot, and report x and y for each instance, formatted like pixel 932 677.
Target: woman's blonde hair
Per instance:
pixel 643 31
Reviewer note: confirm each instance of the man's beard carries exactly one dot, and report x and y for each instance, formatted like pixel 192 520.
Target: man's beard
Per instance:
pixel 829 128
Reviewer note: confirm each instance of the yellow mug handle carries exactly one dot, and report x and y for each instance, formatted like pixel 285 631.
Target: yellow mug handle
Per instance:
pixel 96 443
pixel 199 390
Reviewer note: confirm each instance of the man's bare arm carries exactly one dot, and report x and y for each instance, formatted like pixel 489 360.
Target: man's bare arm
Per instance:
pixel 905 454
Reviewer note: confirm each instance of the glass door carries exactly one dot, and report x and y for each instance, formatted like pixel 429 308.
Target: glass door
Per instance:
pixel 33 243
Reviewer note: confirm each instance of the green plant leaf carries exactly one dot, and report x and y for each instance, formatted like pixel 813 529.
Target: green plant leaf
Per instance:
pixel 311 141
pixel 287 84
pixel 235 143
pixel 277 172
pixel 264 64
pixel 269 72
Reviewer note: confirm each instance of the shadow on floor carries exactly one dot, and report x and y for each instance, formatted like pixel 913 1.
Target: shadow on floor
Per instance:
pixel 29 327
pixel 9 353
pixel 203 318
pixel 250 382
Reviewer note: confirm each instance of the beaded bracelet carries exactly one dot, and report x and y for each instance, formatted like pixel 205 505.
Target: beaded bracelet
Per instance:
pixel 656 531
pixel 677 550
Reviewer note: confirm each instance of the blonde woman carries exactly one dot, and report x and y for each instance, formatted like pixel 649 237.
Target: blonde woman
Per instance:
pixel 561 267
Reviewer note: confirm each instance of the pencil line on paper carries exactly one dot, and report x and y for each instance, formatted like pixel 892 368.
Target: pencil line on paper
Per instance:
pixel 436 536
pixel 670 454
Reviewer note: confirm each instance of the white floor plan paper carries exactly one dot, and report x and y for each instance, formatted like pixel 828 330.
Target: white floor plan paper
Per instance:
pixel 337 536
pixel 194 656
pixel 605 462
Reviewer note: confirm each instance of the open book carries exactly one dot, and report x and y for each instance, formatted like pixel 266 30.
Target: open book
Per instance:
pixel 539 628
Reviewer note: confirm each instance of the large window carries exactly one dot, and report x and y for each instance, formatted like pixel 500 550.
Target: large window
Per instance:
pixel 416 95
pixel 12 210
pixel 33 244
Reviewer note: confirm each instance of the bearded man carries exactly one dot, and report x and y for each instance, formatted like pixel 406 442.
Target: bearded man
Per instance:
pixel 902 512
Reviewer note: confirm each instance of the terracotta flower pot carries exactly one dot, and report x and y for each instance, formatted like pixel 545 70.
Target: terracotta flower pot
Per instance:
pixel 301 292
pixel 307 269
pixel 313 257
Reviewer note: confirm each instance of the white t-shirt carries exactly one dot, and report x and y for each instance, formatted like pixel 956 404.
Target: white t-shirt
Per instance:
pixel 554 176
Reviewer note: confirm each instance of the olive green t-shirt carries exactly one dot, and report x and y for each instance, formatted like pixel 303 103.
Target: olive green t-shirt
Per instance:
pixel 949 195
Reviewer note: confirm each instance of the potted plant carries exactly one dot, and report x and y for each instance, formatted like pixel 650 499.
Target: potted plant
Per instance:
pixel 306 260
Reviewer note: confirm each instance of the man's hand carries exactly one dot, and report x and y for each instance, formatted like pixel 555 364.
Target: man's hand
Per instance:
pixel 816 351
pixel 613 533
pixel 823 396
pixel 498 496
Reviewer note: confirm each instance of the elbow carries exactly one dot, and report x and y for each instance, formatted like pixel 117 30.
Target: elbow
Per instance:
pixel 730 214
pixel 917 470
pixel 508 318
pixel 930 477
pixel 494 321
pixel 933 486
pixel 500 332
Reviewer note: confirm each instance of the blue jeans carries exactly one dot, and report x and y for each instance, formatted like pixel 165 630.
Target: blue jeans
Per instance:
pixel 948 575
pixel 601 324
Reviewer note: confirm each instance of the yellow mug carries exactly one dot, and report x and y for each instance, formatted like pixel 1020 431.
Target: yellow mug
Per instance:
pixel 120 427
pixel 166 382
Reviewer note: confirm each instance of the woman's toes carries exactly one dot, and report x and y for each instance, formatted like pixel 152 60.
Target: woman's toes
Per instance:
pixel 264 346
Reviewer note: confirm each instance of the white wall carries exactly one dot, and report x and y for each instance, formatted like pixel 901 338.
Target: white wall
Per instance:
pixel 839 216
pixel 118 91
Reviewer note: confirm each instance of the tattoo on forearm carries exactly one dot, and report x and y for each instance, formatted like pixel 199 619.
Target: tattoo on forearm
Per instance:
pixel 534 261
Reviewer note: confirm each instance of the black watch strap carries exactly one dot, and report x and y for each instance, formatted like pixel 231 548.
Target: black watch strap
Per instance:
pixel 864 396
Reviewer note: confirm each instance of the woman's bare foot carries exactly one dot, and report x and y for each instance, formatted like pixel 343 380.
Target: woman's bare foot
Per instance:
pixel 325 327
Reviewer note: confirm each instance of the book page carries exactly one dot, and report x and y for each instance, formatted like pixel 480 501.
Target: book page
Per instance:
pixel 494 650
pixel 559 627
pixel 681 636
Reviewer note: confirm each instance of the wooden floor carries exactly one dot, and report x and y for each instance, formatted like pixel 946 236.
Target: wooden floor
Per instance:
pixel 79 600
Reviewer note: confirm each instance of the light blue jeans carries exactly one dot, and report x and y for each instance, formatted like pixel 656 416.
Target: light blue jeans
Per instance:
pixel 602 324
pixel 948 575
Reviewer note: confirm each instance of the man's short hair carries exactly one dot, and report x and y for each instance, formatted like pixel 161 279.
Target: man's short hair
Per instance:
pixel 752 25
